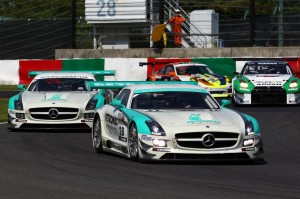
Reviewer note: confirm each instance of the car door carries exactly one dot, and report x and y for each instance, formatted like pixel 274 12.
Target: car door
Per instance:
pixel 117 123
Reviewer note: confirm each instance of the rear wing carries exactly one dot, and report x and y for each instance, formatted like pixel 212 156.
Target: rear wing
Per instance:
pixel 94 72
pixel 122 84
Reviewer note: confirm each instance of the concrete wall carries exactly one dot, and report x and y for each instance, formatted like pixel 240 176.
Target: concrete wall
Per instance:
pixel 179 52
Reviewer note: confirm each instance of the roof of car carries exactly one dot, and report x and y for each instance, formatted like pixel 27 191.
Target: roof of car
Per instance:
pixel 166 86
pixel 267 61
pixel 188 64
pixel 80 75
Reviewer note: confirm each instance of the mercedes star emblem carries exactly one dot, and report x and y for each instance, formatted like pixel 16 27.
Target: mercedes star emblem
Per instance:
pixel 208 140
pixel 53 113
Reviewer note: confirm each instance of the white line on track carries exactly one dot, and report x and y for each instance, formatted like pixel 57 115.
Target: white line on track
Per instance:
pixel 3 122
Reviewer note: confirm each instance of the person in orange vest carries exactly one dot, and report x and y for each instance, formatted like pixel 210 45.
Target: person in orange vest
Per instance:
pixel 176 21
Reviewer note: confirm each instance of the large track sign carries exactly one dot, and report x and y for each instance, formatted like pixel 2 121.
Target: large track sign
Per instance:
pixel 115 11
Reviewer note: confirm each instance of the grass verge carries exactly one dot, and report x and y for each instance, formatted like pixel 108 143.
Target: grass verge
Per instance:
pixel 3 109
pixel 8 88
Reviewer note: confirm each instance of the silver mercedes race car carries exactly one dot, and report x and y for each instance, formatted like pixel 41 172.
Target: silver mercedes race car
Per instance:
pixel 56 100
pixel 172 121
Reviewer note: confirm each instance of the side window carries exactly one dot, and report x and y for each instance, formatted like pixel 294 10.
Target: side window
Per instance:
pixel 124 96
pixel 169 69
pixel 161 71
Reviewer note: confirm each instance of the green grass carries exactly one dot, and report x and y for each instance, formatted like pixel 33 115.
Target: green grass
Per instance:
pixel 8 88
pixel 3 109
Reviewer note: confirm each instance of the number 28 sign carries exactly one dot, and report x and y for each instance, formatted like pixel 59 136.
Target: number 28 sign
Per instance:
pixel 110 11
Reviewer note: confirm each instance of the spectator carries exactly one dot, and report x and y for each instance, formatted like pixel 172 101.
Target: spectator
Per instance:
pixel 176 21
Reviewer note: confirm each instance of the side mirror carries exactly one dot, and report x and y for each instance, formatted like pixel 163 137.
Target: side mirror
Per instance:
pixel 226 103
pixel 21 87
pixel 117 103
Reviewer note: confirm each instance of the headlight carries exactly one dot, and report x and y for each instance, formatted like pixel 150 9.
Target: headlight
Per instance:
pixel 243 84
pixel 228 79
pixel 155 128
pixel 91 105
pixel 19 104
pixel 294 84
pixel 249 128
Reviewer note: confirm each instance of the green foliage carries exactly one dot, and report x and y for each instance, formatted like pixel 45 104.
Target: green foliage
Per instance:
pixel 35 9
pixel 3 110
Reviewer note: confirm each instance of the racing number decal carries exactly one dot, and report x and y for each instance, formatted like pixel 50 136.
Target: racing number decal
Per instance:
pixel 110 4
pixel 122 133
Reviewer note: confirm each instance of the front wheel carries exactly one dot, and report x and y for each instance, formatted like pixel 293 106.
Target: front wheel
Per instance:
pixel 97 135
pixel 133 143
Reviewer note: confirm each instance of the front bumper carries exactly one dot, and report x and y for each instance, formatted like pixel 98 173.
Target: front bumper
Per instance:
pixel 265 97
pixel 22 120
pixel 175 152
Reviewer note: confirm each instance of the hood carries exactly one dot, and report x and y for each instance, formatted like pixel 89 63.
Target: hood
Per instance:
pixel 215 80
pixel 61 97
pixel 173 118
pixel 268 79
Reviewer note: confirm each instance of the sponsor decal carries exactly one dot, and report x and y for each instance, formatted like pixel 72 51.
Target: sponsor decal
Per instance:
pixel 21 120
pixel 167 89
pixel 292 89
pixel 56 97
pixel 196 119
pixel 63 76
pixel 123 139
pixel 248 149
pixel 146 138
pixel 244 89
pixel 111 119
pixel 162 149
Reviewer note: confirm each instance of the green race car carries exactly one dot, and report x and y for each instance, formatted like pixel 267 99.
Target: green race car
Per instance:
pixel 266 82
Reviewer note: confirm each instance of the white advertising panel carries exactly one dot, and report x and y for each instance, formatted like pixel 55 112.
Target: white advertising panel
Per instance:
pixel 9 74
pixel 115 11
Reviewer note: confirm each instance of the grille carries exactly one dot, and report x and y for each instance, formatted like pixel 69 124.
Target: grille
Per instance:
pixel 218 92
pixel 195 140
pixel 63 113
pixel 268 95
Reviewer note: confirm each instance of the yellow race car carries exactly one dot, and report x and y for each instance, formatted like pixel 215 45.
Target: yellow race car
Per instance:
pixel 217 85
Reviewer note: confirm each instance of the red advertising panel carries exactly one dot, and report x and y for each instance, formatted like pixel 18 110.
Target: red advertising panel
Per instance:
pixel 36 65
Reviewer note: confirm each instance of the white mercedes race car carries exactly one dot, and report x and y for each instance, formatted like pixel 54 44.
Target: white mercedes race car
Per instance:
pixel 56 100
pixel 173 121
pixel 266 82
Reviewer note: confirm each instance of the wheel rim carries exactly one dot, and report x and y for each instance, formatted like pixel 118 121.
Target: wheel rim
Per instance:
pixel 97 134
pixel 133 142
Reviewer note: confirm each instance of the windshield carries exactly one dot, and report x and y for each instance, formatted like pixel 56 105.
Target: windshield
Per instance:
pixel 59 84
pixel 174 100
pixel 189 70
pixel 266 69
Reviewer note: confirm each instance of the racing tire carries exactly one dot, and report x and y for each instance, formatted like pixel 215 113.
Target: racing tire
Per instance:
pixel 133 144
pixel 97 135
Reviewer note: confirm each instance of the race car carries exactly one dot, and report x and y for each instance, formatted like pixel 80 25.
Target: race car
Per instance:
pixel 57 100
pixel 266 82
pixel 172 121
pixel 217 85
